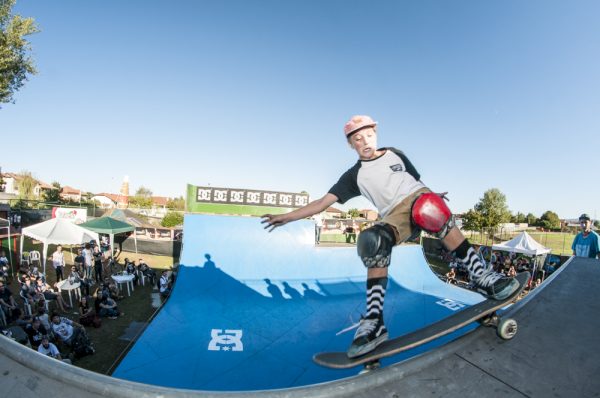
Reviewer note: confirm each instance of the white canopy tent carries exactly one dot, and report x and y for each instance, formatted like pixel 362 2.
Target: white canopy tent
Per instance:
pixel 524 244
pixel 57 231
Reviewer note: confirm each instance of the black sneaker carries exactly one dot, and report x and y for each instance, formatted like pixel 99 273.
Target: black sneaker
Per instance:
pixel 370 333
pixel 495 285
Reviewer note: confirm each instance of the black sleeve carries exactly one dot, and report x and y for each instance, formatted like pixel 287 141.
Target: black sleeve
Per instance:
pixel 347 186
pixel 410 168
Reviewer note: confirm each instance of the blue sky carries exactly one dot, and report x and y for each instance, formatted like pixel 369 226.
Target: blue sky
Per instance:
pixel 254 94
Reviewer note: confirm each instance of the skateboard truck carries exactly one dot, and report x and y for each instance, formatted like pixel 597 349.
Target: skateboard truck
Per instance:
pixel 506 328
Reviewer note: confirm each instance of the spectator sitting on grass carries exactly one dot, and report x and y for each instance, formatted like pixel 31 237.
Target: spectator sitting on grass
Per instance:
pixel 451 276
pixel 49 349
pixel 65 329
pixel 110 287
pixel 8 303
pixel 108 307
pixel 43 317
pixel 35 331
pixel 86 311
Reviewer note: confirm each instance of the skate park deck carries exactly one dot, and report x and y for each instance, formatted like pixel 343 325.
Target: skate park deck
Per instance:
pixel 555 352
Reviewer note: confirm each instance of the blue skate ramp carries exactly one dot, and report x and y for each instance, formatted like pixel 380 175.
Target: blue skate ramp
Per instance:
pixel 250 308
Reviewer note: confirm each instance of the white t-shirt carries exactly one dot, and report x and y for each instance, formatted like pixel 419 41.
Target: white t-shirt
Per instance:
pixel 87 257
pixel 58 259
pixel 385 181
pixel 51 351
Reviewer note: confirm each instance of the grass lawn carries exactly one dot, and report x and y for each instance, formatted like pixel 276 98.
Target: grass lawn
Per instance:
pixel 107 340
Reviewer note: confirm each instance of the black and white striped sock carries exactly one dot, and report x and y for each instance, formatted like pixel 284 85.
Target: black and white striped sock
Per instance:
pixel 470 260
pixel 375 297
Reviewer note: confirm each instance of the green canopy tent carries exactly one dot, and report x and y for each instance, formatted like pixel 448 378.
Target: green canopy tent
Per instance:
pixel 111 227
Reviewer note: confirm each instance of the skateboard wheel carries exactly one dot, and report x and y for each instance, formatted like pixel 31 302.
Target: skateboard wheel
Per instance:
pixel 507 328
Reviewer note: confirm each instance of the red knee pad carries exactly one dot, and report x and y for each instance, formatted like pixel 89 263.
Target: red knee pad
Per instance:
pixel 430 213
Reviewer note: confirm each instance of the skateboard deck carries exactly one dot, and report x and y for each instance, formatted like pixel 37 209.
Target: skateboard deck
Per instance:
pixel 339 360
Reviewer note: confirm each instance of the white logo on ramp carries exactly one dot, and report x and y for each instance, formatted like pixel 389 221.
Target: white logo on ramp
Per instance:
pixel 225 340
pixel 450 304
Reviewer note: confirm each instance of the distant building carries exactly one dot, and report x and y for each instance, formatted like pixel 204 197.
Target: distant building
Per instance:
pixel 106 200
pixel 11 185
pixel 70 193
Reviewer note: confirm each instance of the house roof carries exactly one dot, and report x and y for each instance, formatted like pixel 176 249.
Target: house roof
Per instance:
pixel 17 177
pixel 111 196
pixel 67 190
pixel 160 200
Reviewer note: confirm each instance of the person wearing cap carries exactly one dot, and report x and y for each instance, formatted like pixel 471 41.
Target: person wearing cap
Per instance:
pixel 389 180
pixel 586 243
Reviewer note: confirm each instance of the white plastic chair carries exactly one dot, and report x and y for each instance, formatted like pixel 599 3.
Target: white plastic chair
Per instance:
pixel 25 258
pixel 34 255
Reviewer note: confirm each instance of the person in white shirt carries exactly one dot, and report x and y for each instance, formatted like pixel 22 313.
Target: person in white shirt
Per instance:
pixel 58 262
pixel 49 349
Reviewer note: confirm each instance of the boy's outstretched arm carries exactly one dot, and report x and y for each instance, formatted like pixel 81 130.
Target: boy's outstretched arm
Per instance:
pixel 314 207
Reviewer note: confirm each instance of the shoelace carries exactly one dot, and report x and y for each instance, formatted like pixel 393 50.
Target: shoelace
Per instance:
pixel 366 326
pixel 488 278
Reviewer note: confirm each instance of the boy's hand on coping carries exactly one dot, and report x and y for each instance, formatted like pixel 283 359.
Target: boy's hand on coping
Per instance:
pixel 273 221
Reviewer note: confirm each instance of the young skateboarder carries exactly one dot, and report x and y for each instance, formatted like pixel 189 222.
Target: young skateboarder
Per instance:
pixel 389 180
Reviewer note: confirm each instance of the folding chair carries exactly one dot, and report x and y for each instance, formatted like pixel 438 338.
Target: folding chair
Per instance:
pixel 25 258
pixel 34 255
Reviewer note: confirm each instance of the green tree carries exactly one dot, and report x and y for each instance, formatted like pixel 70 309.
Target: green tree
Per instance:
pixel 143 192
pixel 549 220
pixel 493 208
pixel 15 62
pixel 176 203
pixel 26 185
pixel 472 220
pixel 172 219
pixel 597 224
pixel 142 198
pixel 354 213
pixel 531 219
pixel 519 218
pixel 52 195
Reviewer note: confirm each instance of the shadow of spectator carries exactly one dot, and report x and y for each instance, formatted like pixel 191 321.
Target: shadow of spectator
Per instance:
pixel 273 290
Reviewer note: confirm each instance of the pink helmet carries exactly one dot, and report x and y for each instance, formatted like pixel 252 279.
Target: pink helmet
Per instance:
pixel 358 122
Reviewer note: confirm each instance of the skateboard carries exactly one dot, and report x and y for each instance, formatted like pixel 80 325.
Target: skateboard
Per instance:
pixel 484 312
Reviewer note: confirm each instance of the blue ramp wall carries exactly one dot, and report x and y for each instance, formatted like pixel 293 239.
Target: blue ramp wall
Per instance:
pixel 250 308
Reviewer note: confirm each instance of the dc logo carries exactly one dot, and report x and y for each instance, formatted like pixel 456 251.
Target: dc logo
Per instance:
pixel 397 167
pixel 450 304
pixel 225 340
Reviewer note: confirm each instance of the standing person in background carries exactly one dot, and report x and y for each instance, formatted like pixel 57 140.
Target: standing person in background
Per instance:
pixel 318 227
pixel 587 242
pixel 58 262
pixel 88 261
pixel 98 259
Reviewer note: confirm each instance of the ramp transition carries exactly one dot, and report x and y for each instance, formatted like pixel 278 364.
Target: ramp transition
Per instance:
pixel 250 308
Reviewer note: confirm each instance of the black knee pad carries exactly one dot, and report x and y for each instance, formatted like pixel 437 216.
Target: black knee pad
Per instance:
pixel 375 245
